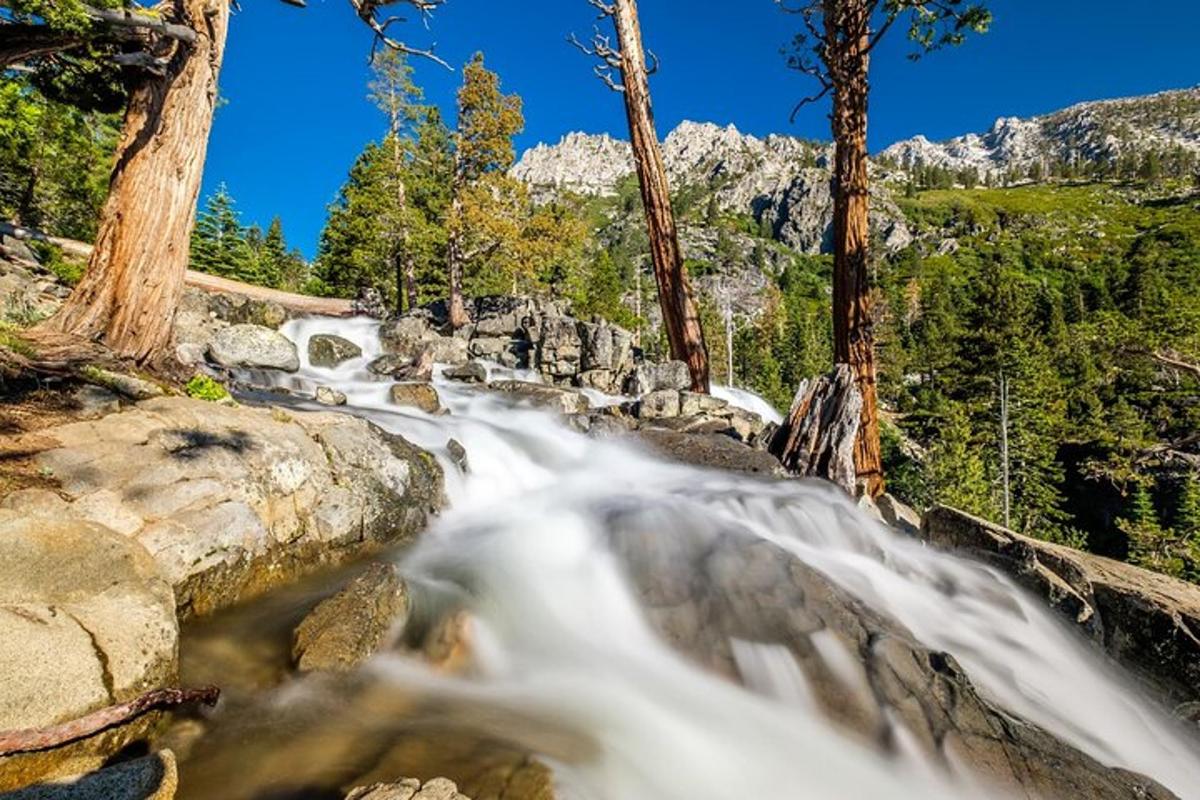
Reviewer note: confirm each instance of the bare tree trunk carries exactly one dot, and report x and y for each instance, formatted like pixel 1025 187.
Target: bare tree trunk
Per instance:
pixel 134 278
pixel 680 315
pixel 853 327
pixel 454 257
pixel 406 268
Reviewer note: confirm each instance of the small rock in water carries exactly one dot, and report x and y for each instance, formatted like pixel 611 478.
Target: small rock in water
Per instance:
pixel 328 396
pixel 152 777
pixel 391 364
pixel 471 372
pixel 346 629
pixel 458 455
pixel 328 351
pixel 417 395
pixel 409 789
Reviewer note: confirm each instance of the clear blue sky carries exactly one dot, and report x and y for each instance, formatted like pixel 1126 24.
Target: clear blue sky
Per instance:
pixel 297 114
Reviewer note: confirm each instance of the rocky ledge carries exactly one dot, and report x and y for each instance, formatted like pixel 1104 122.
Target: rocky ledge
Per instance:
pixel 1148 622
pixel 230 500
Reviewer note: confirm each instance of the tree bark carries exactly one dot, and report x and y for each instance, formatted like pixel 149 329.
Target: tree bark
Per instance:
pixel 134 278
pixel 406 268
pixel 456 310
pixel 680 315
pixel 853 326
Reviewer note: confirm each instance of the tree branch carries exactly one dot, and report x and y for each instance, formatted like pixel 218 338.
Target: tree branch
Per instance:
pixel 367 11
pixel 34 739
pixel 126 18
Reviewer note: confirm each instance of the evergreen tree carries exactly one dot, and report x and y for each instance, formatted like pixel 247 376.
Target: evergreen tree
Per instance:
pixel 219 243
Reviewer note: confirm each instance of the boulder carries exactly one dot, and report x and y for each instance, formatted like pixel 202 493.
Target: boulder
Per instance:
pixel 693 404
pixel 253 346
pixel 409 789
pixel 417 395
pixel 413 334
pixel 713 450
pixel 328 351
pixel 553 398
pixel 86 621
pixel 648 377
pixel 559 349
pixel 1146 621
pixel 346 629
pixel 152 777
pixel 328 396
pixel 898 515
pixel 659 404
pixel 471 372
pixel 230 501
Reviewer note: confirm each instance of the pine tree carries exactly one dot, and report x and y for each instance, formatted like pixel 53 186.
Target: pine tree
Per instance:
pixel 955 471
pixel 219 244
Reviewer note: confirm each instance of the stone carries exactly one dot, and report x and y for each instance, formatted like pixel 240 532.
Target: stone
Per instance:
pixel 130 386
pixel 152 777
pixel 648 377
pixel 471 372
pixel 369 303
pixel 713 450
pixel 253 346
pixel 898 515
pixel 409 789
pixel 449 349
pixel 86 620
pixel 458 455
pixel 390 365
pixel 230 501
pixel 417 395
pixel 559 348
pixel 695 403
pixel 540 395
pixel 1146 621
pixel 328 396
pixel 346 629
pixel 329 351
pixel 659 404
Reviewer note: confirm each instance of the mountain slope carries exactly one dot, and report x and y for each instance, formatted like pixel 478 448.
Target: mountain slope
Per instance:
pixel 1096 132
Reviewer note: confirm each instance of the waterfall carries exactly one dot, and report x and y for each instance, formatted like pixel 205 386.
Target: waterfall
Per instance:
pixel 566 552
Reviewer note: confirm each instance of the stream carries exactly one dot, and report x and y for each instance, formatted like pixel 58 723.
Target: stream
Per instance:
pixel 548 544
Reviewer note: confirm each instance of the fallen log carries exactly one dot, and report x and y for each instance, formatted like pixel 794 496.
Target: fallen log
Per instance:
pixel 35 739
pixel 817 437
pixel 305 304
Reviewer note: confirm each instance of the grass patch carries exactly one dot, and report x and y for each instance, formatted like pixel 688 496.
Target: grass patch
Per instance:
pixel 202 387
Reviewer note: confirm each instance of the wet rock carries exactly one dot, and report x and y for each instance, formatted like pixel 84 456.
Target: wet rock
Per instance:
pixel 390 365
pixel 152 777
pixel 1146 621
pixel 417 395
pixel 729 601
pixel 564 401
pixel 346 629
pixel 471 372
pixel 328 396
pixel 230 501
pixel 710 450
pixel 409 789
pixel 649 377
pixel 86 620
pixel 328 351
pixel 406 336
pixel 458 455
pixel 695 404
pixel 253 346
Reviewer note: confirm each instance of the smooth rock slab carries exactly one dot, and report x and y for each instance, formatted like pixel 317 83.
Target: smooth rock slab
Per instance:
pixel 253 346
pixel 86 620
pixel 230 501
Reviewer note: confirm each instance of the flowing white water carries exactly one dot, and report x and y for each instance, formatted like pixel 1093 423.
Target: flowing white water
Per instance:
pixel 559 633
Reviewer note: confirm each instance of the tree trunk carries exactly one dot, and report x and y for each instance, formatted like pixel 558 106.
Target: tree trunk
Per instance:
pixel 20 43
pixel 454 257
pixel 680 315
pixel 134 278
pixel 853 334
pixel 406 268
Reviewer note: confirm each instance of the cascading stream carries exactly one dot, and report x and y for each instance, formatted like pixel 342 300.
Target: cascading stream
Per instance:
pixel 544 542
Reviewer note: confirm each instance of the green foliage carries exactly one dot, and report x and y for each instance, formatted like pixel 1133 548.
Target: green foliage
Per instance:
pixel 222 246
pixel 54 160
pixel 202 387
